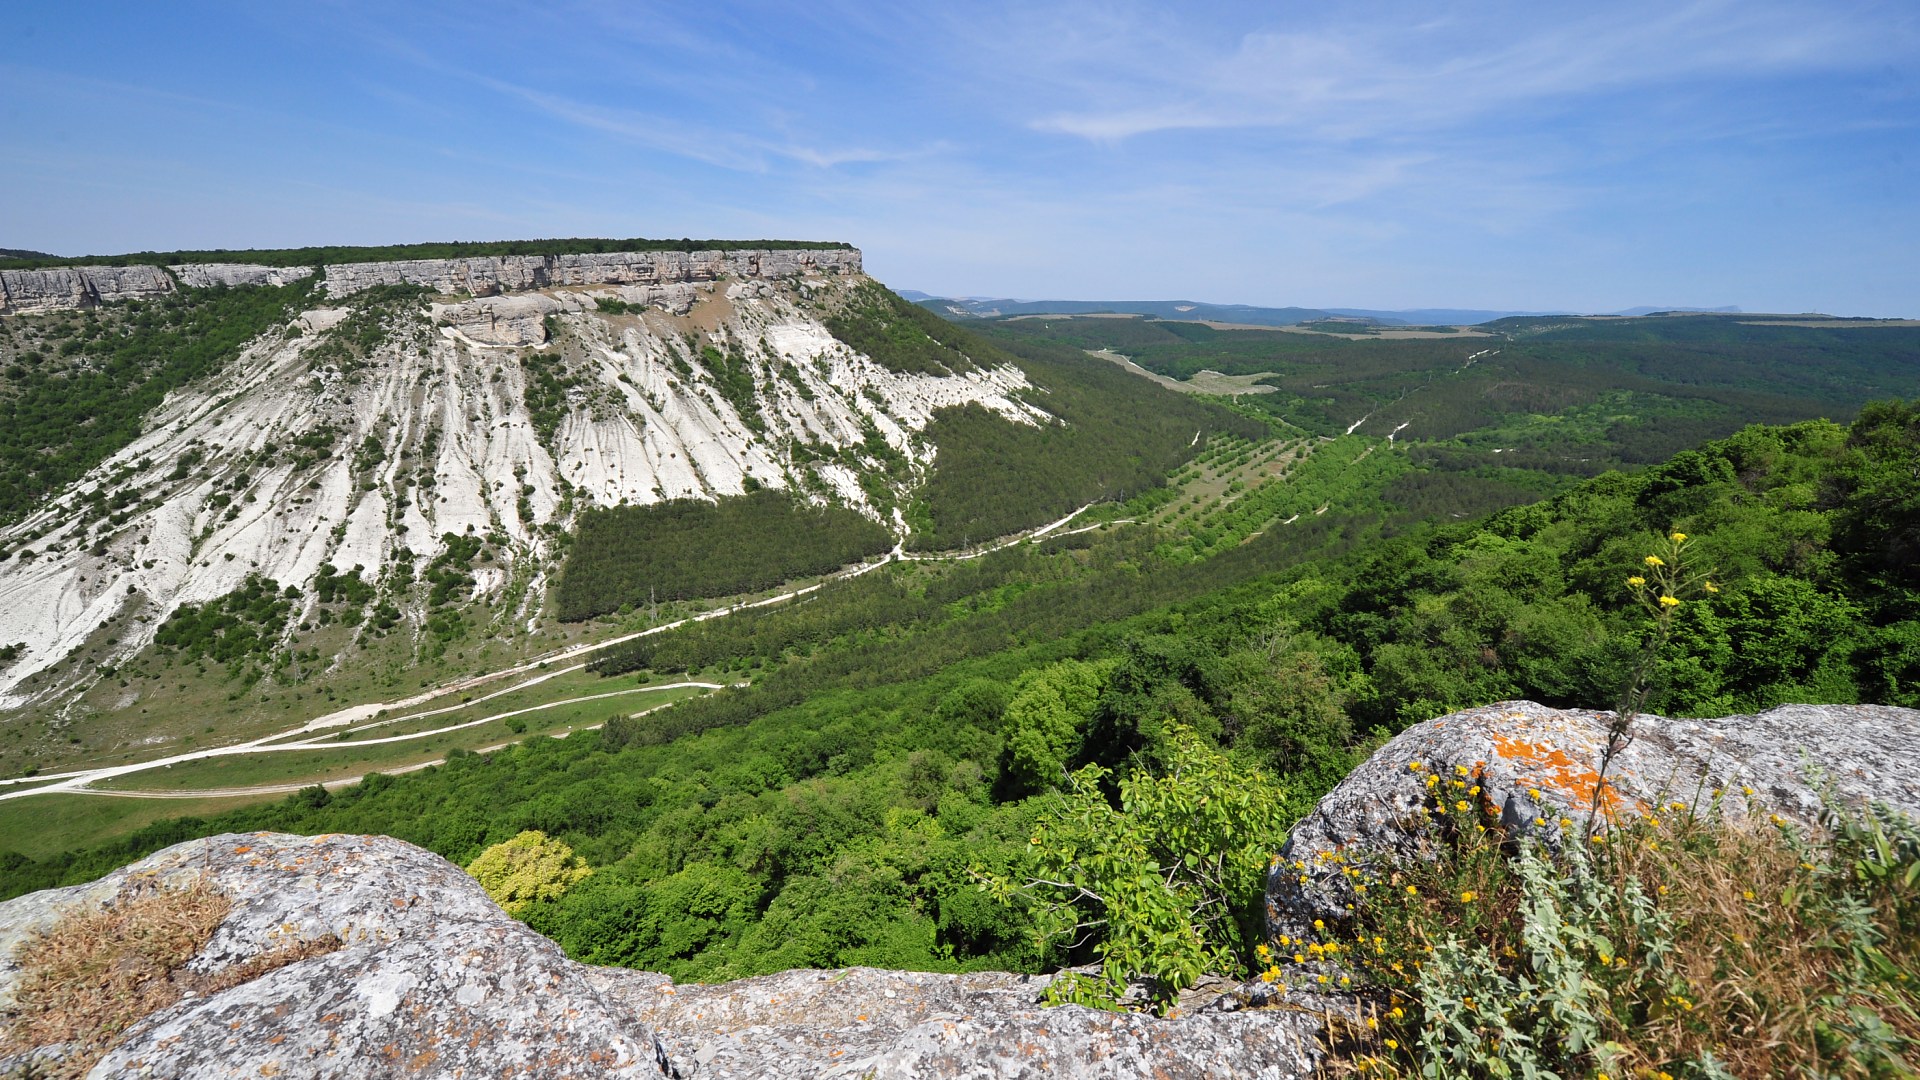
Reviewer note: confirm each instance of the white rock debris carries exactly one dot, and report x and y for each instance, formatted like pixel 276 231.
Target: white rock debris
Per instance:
pixel 283 462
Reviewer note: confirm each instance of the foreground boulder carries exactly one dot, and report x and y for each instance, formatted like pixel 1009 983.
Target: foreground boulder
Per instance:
pixel 1538 771
pixel 429 978
pixel 423 975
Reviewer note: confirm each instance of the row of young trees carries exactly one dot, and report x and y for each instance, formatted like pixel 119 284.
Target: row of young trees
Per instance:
pixel 629 556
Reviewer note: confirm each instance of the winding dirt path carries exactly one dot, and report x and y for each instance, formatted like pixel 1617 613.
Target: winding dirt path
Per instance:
pixel 80 780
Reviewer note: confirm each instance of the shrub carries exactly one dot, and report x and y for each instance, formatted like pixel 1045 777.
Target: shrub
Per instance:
pixel 527 868
pixel 1166 888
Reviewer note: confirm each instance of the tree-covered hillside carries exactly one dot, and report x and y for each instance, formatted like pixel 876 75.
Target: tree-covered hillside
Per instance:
pixel 905 733
pixel 77 387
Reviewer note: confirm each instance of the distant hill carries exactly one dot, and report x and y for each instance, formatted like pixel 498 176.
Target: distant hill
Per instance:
pixel 22 253
pixel 1186 310
pixel 973 307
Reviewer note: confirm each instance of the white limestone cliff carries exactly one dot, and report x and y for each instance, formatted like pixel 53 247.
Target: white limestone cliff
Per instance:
pixel 432 433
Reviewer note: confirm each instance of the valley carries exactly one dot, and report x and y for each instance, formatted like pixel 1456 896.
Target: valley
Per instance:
pixel 793 609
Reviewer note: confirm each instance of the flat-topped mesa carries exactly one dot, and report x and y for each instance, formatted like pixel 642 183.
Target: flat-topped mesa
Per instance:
pixel 63 288
pixel 487 275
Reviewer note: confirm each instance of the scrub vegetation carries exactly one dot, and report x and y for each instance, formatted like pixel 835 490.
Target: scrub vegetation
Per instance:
pixel 1082 749
pixel 908 735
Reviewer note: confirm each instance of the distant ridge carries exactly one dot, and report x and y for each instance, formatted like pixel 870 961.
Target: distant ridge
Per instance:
pixel 974 307
pixel 22 253
pixel 1190 310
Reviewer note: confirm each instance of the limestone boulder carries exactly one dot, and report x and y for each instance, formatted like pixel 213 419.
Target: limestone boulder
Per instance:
pixel 432 978
pixel 895 1025
pixel 1537 767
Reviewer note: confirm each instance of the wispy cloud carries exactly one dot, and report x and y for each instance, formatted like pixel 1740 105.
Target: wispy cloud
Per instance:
pixel 1348 81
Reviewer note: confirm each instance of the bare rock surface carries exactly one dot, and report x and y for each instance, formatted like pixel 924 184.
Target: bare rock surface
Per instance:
pixel 435 980
pixel 489 275
pixel 863 1022
pixel 64 287
pixel 203 275
pixel 1537 766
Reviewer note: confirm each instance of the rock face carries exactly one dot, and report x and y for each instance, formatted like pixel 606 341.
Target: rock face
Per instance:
pixel 202 275
pixel 488 275
pixel 862 1022
pixel 65 287
pixel 1516 749
pixel 466 443
pixel 520 320
pixel 435 980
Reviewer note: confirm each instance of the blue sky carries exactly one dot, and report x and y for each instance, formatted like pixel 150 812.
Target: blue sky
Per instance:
pixel 1522 156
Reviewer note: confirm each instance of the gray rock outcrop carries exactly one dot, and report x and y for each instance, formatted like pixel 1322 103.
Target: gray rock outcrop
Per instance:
pixel 489 275
pixel 664 275
pixel 202 275
pixel 1538 766
pixel 862 1022
pixel 434 980
pixel 66 287
pixel 520 320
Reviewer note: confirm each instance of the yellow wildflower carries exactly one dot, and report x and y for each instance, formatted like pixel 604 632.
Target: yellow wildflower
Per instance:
pixel 1655 560
pixel 1637 582
pixel 1678 538
pixel 1468 896
pixel 1669 602
pixel 1711 587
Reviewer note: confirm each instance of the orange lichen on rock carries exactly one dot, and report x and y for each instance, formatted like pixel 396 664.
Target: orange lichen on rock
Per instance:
pixel 1549 767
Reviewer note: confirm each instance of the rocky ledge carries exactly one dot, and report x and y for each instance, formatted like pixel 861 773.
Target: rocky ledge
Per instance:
pixel 1539 767
pixel 660 277
pixel 489 275
pixel 63 288
pixel 432 979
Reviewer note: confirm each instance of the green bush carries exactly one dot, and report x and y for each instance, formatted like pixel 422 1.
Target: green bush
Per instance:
pixel 1165 888
pixel 528 868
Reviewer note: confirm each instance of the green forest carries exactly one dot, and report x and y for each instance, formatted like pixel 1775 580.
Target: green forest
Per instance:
pixel 1115 439
pixel 908 736
pixel 683 549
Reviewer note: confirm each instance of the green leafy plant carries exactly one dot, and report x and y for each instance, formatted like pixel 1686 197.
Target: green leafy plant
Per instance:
pixel 1163 889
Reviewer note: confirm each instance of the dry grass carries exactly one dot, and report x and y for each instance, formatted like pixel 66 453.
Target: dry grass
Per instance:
pixel 97 972
pixel 1756 946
